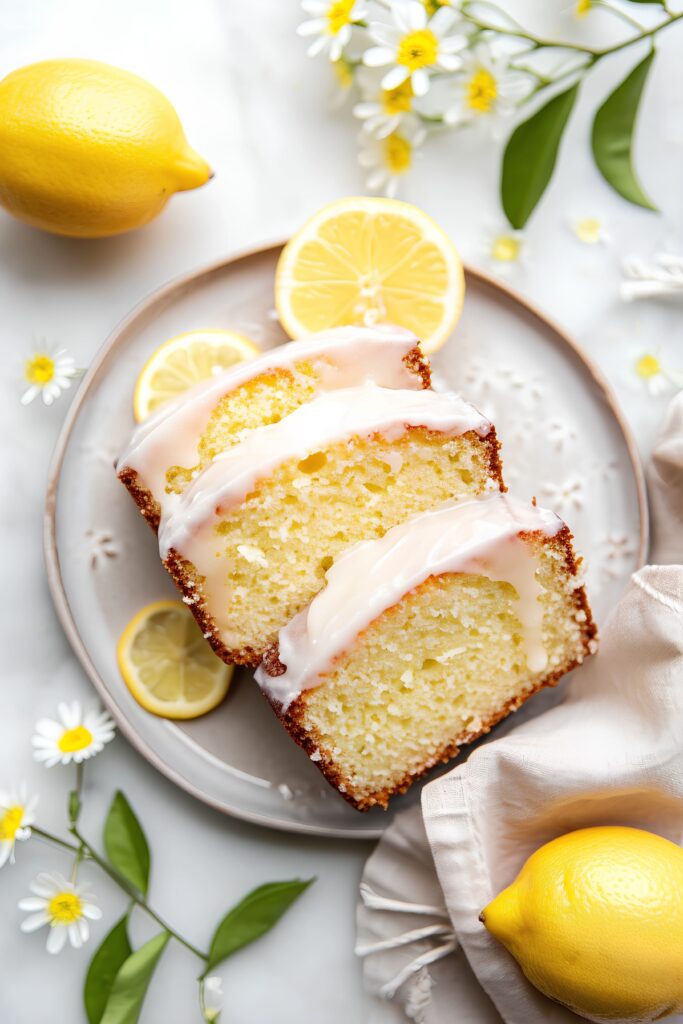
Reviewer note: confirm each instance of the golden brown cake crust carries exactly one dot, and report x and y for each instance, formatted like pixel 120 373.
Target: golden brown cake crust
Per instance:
pixel 293 719
pixel 142 497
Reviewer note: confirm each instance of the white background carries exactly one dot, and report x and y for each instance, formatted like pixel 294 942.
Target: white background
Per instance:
pixel 259 111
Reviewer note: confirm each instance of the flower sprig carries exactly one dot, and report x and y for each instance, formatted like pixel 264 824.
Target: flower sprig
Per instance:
pixel 421 66
pixel 118 976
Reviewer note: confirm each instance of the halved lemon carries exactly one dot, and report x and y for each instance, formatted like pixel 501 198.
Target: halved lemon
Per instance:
pixel 183 361
pixel 366 261
pixel 167 664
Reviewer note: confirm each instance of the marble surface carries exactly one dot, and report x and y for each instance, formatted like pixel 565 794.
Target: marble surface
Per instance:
pixel 259 111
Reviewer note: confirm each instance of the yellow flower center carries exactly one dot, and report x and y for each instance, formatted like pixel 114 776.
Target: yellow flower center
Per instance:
pixel 344 75
pixel 418 49
pixel 506 248
pixel 338 15
pixel 588 230
pixel 39 370
pixel 65 908
pixel 582 7
pixel 75 739
pixel 648 366
pixel 397 153
pixel 482 91
pixel 10 822
pixel 398 100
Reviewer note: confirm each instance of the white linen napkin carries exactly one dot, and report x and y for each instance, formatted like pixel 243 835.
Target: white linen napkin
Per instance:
pixel 610 753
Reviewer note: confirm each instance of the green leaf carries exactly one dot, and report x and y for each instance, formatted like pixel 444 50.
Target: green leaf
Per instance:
pixel 612 139
pixel 132 981
pixel 253 917
pixel 104 967
pixel 530 156
pixel 126 845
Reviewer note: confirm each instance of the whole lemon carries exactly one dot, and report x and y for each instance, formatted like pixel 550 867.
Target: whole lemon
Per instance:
pixel 595 921
pixel 89 150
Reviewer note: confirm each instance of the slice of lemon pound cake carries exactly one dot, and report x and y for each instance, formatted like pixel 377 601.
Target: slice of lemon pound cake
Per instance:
pixel 250 540
pixel 169 449
pixel 422 640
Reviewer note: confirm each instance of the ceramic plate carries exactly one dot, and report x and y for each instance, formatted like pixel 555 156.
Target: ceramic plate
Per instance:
pixel 563 441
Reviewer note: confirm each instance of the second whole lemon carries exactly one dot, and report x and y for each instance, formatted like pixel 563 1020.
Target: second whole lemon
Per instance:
pixel 595 921
pixel 89 150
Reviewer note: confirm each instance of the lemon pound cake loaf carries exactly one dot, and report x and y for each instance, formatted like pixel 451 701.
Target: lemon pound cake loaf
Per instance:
pixel 172 446
pixel 422 640
pixel 249 541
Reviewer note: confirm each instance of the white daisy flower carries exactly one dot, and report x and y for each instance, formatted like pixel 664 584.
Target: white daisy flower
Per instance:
pixel 389 159
pixel 62 905
pixel 414 45
pixel 77 736
pixel 211 998
pixel 589 230
pixel 16 818
pixel 656 377
pixel 48 374
pixel 504 249
pixel 331 25
pixel 487 89
pixel 384 109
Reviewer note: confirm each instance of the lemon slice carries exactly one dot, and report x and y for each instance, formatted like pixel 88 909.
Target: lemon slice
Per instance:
pixel 167 664
pixel 368 261
pixel 185 360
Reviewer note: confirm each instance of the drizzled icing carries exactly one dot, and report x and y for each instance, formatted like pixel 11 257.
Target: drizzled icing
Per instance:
pixel 479 536
pixel 331 417
pixel 342 357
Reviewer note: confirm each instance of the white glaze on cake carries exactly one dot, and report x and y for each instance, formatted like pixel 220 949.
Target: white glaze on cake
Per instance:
pixel 342 357
pixel 478 536
pixel 331 417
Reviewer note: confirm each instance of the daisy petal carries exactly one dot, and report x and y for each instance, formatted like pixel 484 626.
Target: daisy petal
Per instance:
pixel 420 82
pixel 5 852
pixel 34 921
pixel 317 46
pixel 442 20
pixel 49 728
pixel 416 14
pixel 377 57
pixel 395 77
pixel 31 903
pixel 449 61
pixel 310 28
pixel 453 44
pixel 92 912
pixel 44 885
pixel 56 940
pixel 377 178
pixel 385 35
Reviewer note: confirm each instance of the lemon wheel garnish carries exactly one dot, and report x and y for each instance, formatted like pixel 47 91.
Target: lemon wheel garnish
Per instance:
pixel 167 664
pixel 184 361
pixel 368 261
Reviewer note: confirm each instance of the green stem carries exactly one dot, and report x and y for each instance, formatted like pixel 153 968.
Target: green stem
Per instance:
pixel 547 44
pixel 85 851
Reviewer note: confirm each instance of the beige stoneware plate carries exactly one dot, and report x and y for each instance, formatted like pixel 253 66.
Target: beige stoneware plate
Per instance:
pixel 563 440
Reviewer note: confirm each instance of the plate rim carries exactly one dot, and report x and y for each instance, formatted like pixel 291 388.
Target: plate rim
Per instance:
pixel 51 554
